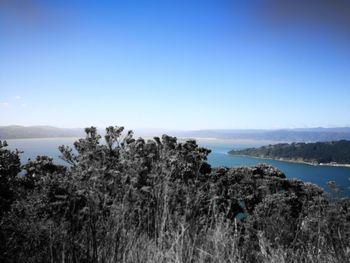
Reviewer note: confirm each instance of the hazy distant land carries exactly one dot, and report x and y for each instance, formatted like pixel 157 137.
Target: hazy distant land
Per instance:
pixel 30 132
pixel 281 135
pixel 233 135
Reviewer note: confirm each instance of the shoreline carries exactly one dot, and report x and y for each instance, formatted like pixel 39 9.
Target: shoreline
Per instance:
pixel 215 140
pixel 294 161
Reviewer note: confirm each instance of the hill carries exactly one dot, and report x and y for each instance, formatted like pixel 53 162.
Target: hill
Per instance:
pixel 334 152
pixel 23 132
pixel 285 135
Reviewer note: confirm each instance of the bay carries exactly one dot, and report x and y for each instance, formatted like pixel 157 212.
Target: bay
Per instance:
pixel 319 175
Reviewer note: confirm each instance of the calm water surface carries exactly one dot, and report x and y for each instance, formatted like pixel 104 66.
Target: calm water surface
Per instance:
pixel 319 175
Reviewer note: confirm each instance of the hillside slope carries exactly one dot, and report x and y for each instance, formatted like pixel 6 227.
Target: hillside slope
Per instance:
pixel 335 152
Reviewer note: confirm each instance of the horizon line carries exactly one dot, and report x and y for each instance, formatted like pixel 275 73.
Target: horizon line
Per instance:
pixel 181 130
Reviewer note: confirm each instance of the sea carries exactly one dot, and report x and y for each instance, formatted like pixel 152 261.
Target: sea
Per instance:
pixel 218 157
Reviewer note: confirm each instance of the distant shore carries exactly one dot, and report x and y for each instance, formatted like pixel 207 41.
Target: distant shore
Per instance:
pixel 42 138
pixel 214 140
pixel 294 161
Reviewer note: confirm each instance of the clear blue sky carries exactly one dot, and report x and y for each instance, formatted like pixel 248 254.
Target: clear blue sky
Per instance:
pixel 169 64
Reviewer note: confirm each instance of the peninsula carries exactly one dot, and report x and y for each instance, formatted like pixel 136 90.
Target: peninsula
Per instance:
pixel 334 153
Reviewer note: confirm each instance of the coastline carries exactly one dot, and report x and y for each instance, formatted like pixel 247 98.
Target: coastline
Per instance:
pixel 214 140
pixel 294 161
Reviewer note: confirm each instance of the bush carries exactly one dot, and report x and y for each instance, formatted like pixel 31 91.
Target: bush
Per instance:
pixel 131 200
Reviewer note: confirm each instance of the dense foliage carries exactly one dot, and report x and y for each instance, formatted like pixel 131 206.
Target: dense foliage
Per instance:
pixel 319 152
pixel 131 200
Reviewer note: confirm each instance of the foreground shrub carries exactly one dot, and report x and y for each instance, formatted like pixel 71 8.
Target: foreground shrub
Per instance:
pixel 131 200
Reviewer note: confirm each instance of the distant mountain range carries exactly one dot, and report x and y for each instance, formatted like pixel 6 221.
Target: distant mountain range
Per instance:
pixel 285 135
pixel 22 132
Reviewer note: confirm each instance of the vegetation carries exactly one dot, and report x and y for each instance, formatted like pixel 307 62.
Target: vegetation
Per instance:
pixel 131 200
pixel 319 152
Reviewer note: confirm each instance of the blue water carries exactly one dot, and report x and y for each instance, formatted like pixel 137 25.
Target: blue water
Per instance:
pixel 319 175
